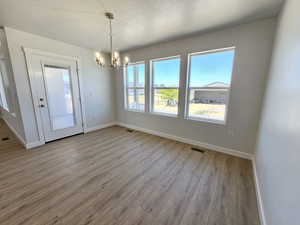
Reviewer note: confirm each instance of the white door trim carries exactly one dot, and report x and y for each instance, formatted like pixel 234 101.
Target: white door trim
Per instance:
pixel 28 52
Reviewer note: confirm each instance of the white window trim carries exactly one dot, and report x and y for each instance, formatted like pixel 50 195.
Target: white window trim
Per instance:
pixel 126 88
pixel 151 89
pixel 202 119
pixel 3 95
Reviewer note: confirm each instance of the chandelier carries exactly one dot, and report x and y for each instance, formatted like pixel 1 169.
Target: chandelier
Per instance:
pixel 115 55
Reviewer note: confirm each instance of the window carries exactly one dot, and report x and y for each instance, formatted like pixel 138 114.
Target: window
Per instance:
pixel 209 84
pixel 135 87
pixel 165 85
pixel 3 84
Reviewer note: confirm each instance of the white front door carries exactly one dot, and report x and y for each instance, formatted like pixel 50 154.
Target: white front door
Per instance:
pixel 54 83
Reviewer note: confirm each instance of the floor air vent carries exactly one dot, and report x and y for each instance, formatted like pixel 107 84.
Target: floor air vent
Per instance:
pixel 5 139
pixel 197 150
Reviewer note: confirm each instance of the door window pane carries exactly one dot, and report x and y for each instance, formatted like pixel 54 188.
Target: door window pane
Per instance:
pixel 59 96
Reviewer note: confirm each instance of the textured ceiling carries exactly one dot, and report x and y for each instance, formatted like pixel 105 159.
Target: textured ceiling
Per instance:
pixel 137 23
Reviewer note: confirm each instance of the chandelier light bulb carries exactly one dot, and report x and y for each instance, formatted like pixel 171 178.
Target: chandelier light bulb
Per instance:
pixel 126 60
pixel 116 54
pixel 101 60
pixel 97 55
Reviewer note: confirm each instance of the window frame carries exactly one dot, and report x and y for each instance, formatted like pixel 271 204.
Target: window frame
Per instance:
pixel 126 87
pixel 152 88
pixel 3 95
pixel 188 88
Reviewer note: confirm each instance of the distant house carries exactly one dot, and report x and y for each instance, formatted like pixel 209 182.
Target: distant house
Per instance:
pixel 216 93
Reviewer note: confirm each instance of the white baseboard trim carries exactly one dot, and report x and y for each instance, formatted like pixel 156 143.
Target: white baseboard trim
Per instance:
pixel 20 138
pixel 34 144
pixel 258 194
pixel 190 141
pixel 99 127
pixel 86 130
pixel 23 142
pixel 39 143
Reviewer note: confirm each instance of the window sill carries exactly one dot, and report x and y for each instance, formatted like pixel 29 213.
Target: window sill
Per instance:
pixel 134 110
pixel 204 120
pixel 164 114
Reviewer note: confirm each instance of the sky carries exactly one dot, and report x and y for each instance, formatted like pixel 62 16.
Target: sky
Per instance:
pixel 141 75
pixel 213 67
pixel 205 69
pixel 166 72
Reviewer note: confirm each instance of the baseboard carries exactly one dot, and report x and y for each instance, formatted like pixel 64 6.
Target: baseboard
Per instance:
pixel 190 141
pixel 99 127
pixel 39 143
pixel 20 138
pixel 34 144
pixel 258 194
pixel 86 130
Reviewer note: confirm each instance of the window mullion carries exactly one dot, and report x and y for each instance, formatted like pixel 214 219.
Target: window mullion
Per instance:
pixel 134 76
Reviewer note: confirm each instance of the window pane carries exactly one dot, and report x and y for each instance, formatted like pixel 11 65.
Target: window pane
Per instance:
pixel 131 99
pixel 130 76
pixel 135 85
pixel 166 73
pixel 208 104
pixel 165 101
pixel 212 69
pixel 140 76
pixel 140 96
pixel 210 78
pixel 136 75
pixel 136 99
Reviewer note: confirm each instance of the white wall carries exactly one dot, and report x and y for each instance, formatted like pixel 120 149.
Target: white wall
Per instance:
pixel 13 116
pixel 97 83
pixel 278 147
pixel 253 43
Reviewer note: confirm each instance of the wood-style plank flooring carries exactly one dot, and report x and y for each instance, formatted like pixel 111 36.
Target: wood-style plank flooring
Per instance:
pixel 114 177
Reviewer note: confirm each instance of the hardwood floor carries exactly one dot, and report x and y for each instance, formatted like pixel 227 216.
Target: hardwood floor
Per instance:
pixel 114 177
